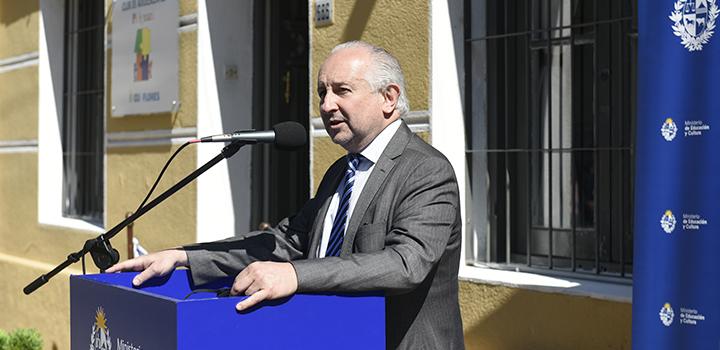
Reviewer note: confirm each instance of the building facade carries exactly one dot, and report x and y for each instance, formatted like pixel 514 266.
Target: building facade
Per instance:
pixel 532 102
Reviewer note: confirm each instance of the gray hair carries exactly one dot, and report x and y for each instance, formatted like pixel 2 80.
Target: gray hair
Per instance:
pixel 384 70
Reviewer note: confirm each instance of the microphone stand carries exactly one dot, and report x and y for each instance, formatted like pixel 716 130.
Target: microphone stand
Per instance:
pixel 100 249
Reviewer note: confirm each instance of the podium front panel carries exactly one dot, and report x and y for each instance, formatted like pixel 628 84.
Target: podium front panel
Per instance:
pixel 103 314
pixel 108 313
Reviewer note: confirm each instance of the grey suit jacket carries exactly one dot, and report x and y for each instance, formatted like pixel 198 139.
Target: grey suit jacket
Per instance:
pixel 403 238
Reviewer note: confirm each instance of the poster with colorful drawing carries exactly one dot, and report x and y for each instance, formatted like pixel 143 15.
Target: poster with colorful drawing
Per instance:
pixel 144 57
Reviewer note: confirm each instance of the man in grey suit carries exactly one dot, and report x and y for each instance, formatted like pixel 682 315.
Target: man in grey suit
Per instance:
pixel 385 217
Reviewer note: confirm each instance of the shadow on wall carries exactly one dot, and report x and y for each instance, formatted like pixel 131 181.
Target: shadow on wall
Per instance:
pixel 12 11
pixel 359 17
pixel 502 318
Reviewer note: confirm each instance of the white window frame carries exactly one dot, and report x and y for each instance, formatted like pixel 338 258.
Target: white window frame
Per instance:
pixel 50 89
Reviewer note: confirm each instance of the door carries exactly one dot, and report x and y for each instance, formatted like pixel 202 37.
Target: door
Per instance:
pixel 280 179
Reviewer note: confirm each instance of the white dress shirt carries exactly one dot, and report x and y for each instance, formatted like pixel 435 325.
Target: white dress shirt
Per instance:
pixel 371 153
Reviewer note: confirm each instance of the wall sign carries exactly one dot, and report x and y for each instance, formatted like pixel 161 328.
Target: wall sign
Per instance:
pixel 144 56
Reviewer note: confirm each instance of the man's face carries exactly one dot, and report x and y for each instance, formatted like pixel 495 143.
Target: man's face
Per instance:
pixel 350 109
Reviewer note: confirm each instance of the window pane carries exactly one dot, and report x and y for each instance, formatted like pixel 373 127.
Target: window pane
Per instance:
pixel 550 111
pixel 83 117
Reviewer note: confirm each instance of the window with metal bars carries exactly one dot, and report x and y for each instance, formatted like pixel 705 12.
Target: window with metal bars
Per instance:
pixel 83 110
pixel 551 110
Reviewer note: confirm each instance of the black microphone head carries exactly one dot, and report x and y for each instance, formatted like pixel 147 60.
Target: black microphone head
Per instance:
pixel 290 135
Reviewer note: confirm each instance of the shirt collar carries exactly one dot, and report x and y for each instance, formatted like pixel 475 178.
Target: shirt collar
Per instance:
pixel 373 151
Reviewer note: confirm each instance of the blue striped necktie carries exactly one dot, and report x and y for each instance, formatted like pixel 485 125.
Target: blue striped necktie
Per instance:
pixel 337 233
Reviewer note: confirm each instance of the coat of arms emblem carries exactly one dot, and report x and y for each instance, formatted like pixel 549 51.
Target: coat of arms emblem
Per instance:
pixel 668 221
pixel 667 314
pixel 100 337
pixel 694 22
pixel 668 129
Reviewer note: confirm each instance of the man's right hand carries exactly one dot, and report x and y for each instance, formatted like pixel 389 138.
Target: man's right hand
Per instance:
pixel 152 265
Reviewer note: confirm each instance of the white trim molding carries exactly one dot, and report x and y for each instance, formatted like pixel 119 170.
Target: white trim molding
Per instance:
pixel 618 292
pixel 447 117
pixel 224 103
pixel 150 137
pixel 18 146
pixel 18 62
pixel 215 212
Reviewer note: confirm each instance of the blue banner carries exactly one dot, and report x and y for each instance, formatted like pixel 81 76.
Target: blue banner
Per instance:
pixel 676 293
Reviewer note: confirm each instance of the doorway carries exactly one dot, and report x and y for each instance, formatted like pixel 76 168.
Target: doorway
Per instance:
pixel 280 179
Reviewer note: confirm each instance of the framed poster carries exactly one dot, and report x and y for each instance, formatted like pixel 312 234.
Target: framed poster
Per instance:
pixel 144 57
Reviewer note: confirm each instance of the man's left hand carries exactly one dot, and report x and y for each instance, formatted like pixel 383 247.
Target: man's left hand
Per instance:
pixel 263 280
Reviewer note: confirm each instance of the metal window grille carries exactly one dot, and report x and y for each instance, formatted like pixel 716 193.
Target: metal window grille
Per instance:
pixel 83 114
pixel 551 110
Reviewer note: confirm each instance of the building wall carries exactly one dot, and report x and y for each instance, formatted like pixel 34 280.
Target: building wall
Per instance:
pixel 19 113
pixel 29 249
pixel 501 317
pixel 18 28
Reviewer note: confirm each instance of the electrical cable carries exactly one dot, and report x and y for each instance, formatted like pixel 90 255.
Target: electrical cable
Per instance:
pixel 161 174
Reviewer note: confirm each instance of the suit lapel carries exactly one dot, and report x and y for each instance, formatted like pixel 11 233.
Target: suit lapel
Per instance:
pixel 395 148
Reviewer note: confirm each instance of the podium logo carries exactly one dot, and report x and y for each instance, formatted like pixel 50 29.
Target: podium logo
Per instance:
pixel 668 130
pixel 667 315
pixel 100 337
pixel 667 222
pixel 694 22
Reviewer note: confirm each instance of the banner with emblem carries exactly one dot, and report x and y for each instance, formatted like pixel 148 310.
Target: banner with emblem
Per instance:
pixel 676 284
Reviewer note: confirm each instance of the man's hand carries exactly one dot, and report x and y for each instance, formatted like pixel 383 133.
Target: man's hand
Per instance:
pixel 153 265
pixel 264 280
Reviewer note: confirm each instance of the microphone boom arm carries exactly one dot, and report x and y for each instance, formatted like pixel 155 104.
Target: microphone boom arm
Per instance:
pixel 101 244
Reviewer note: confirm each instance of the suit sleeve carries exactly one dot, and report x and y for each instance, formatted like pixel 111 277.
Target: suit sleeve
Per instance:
pixel 425 216
pixel 284 242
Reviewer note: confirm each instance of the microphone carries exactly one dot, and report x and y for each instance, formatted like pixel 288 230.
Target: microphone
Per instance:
pixel 285 135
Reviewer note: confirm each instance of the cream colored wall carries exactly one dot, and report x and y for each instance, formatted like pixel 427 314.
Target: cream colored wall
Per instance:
pixel 18 104
pixel 18 27
pixel 18 100
pixel 20 234
pixel 504 318
pixel 22 242
pixel 47 310
pixel 28 250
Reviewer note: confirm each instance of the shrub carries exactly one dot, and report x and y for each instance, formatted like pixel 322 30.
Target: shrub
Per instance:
pixel 4 340
pixel 21 339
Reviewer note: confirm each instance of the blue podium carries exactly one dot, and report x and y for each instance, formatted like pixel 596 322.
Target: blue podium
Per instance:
pixel 106 312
